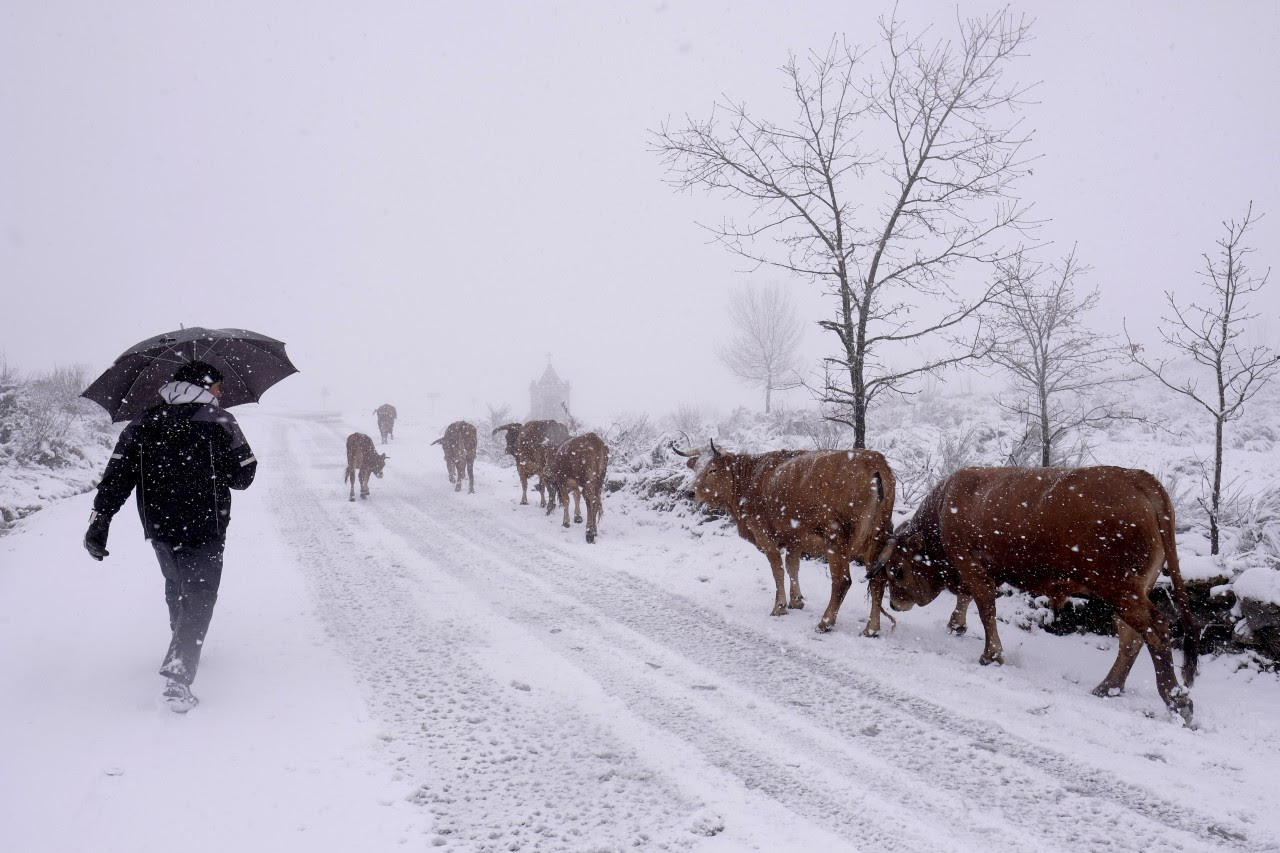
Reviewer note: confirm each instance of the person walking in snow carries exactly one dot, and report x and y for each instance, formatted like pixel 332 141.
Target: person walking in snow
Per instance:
pixel 183 456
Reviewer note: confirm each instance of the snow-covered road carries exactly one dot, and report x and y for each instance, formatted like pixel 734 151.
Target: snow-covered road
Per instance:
pixel 434 670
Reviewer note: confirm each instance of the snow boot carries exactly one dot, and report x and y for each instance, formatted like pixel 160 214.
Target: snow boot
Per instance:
pixel 178 697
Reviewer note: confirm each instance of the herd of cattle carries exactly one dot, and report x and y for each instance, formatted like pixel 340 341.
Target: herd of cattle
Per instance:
pixel 1103 531
pixel 564 465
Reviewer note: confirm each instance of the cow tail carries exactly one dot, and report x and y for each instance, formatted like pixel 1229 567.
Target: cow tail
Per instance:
pixel 349 474
pixel 1191 634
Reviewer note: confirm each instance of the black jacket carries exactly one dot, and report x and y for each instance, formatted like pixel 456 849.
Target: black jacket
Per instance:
pixel 183 459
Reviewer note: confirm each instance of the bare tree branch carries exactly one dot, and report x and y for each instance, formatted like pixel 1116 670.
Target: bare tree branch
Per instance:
pixel 1209 332
pixel 939 197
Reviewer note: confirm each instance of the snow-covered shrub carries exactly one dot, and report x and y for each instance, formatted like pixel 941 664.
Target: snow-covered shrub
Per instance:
pixel 633 441
pixel 489 447
pixel 1255 519
pixel 53 443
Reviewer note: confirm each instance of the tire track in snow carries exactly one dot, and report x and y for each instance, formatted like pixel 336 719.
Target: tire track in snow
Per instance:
pixel 506 774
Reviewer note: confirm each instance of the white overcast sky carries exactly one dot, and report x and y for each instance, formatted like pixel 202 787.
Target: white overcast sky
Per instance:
pixel 428 197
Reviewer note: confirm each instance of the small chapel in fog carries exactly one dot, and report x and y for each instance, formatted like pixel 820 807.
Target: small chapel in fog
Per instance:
pixel 549 397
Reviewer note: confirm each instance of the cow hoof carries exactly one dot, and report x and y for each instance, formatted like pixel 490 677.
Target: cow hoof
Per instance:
pixel 823 628
pixel 796 605
pixel 867 632
pixel 779 610
pixel 986 661
pixel 565 525
pixel 352 498
pixel 577 519
pixel 591 538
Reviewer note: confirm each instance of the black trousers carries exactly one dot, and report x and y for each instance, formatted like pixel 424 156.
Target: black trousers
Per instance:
pixel 192 574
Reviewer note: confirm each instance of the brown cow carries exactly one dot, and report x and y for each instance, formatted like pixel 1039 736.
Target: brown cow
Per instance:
pixel 459 444
pixel 364 458
pixel 529 444
pixel 386 420
pixel 577 466
pixel 1056 532
pixel 834 503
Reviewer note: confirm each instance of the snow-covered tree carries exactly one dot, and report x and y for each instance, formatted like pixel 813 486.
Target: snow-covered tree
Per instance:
pixel 767 333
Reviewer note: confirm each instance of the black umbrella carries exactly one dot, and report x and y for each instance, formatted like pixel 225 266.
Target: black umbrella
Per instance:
pixel 250 364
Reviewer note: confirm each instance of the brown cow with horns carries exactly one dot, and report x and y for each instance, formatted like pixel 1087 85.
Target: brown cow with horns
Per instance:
pixel 529 444
pixel 834 503
pixel 1056 532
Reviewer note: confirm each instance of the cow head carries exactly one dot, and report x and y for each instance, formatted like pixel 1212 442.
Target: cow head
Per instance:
pixel 378 461
pixel 713 476
pixel 513 435
pixel 903 567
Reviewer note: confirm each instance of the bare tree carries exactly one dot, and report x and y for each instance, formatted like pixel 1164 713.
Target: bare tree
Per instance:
pixel 937 183
pixel 1209 331
pixel 1057 364
pixel 762 352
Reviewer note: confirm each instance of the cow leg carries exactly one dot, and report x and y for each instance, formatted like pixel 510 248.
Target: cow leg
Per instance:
pixel 1130 642
pixel 1150 624
pixel 875 590
pixel 364 484
pixel 471 477
pixel 456 480
pixel 577 505
pixel 796 600
pixel 840 583
pixel 984 594
pixel 551 497
pixel 564 505
pixel 524 488
pixel 775 564
pixel 542 491
pixel 351 474
pixel 956 624
pixel 593 513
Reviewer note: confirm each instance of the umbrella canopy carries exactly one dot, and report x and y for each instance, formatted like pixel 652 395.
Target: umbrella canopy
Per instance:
pixel 250 364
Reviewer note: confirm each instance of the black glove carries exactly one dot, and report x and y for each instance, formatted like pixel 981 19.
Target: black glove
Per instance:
pixel 95 538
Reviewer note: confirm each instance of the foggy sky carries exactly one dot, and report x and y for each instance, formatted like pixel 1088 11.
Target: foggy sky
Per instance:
pixel 429 198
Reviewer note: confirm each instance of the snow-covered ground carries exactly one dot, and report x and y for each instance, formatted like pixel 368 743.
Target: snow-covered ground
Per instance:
pixel 428 669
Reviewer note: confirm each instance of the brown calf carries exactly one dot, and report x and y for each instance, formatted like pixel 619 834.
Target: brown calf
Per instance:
pixel 386 420
pixel 529 444
pixel 363 459
pixel 459 445
pixel 836 504
pixel 1056 532
pixel 577 466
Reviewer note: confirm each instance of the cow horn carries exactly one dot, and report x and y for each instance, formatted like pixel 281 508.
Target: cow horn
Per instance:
pixel 688 454
pixel 714 452
pixel 881 563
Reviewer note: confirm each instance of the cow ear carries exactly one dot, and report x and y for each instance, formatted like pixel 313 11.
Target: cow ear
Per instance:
pixel 692 463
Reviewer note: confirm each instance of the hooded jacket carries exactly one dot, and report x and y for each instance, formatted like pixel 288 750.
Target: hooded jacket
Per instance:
pixel 183 457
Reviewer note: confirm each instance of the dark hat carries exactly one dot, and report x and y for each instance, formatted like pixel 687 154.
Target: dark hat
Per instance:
pixel 198 373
